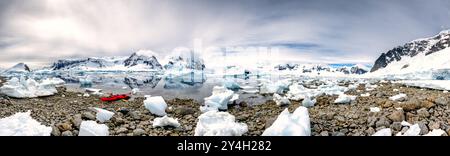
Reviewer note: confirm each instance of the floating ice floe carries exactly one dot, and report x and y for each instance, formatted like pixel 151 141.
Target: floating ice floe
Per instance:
pixel 383 132
pixel 27 88
pixel 92 128
pixel 219 99
pixel 430 84
pixel 156 105
pixel 135 91
pixel 344 99
pixel 435 132
pixel 231 84
pixel 287 124
pixel 307 102
pixel 375 109
pixel 54 81
pixel 103 115
pixel 281 101
pixel 214 123
pixel 85 81
pixel 298 92
pixel 250 91
pixel 399 97
pixel 22 124
pixel 165 121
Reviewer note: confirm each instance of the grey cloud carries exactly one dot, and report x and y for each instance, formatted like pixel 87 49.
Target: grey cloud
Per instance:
pixel 341 30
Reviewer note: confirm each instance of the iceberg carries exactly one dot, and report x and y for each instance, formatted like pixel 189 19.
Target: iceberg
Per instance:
pixel 165 121
pixel 21 88
pixel 22 124
pixel 91 128
pixel 287 124
pixel 156 105
pixel 214 123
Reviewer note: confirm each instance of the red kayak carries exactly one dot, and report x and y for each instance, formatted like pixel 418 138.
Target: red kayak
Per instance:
pixel 115 98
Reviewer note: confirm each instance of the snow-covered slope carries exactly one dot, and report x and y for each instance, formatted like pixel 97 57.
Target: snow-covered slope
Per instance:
pixel 20 67
pixel 419 56
pixel 140 61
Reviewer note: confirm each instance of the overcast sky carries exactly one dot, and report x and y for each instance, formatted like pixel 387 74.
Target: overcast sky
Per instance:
pixel 318 31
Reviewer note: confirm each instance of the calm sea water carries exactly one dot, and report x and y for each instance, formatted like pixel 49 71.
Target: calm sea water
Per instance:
pixel 196 88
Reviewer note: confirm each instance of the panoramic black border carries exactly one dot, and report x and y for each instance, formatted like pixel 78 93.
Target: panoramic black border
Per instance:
pixel 160 145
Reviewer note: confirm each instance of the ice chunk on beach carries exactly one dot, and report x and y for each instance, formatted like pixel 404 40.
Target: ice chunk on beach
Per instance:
pixel 91 128
pixel 399 97
pixel 218 100
pixel 214 123
pixel 54 81
pixel 94 91
pixel 156 105
pixel 404 123
pixel 383 132
pixel 365 95
pixel 281 101
pixel 307 102
pixel 165 121
pixel 22 124
pixel 375 109
pixel 352 87
pixel 21 88
pixel 277 87
pixel 414 130
pixel 435 132
pixel 344 99
pixel 103 115
pixel 287 124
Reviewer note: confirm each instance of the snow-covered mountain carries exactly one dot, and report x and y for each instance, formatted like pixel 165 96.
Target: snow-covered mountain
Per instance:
pixel 184 61
pixel 143 59
pixel 323 68
pixel 138 61
pixel 18 68
pixel 421 55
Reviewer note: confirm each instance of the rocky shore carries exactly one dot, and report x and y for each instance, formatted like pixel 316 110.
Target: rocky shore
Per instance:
pixel 65 111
